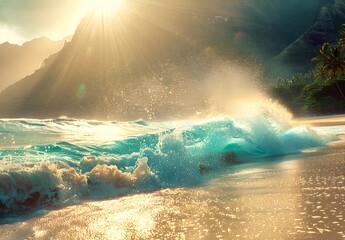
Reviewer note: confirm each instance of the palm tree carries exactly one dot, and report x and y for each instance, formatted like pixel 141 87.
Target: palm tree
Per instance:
pixel 332 62
pixel 341 39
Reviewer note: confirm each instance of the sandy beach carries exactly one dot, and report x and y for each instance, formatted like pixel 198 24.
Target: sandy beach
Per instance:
pixel 172 119
pixel 294 197
pixel 321 121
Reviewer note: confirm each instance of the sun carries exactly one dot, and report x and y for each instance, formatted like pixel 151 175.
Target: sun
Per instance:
pixel 104 6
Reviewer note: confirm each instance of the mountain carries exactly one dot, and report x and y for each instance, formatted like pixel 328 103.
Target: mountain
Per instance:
pixel 296 57
pixel 16 61
pixel 122 66
pixel 151 60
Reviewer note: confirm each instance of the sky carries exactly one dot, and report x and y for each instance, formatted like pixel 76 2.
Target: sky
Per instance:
pixel 23 20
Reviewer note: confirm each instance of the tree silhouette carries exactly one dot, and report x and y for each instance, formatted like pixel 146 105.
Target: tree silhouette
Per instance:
pixel 331 61
pixel 341 39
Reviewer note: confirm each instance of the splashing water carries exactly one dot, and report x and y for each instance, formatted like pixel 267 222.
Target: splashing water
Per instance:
pixel 63 161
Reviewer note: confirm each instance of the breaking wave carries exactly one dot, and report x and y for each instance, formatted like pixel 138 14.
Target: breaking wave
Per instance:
pixel 63 161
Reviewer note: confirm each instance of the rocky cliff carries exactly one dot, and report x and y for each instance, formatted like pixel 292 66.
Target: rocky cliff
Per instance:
pixel 16 61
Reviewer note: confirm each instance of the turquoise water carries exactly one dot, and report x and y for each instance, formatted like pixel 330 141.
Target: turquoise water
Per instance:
pixel 64 161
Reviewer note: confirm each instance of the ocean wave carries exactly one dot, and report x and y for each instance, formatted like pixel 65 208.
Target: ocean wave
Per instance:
pixel 152 156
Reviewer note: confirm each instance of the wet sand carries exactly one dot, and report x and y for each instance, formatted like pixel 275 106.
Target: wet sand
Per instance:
pixel 295 197
pixel 336 120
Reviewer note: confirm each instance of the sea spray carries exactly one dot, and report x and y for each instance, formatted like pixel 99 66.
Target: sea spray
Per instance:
pixel 66 162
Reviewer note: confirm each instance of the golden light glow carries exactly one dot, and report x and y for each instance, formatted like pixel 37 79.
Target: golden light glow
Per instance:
pixel 104 6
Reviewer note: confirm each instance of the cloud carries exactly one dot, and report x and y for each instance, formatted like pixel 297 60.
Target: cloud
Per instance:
pixel 8 34
pixel 32 18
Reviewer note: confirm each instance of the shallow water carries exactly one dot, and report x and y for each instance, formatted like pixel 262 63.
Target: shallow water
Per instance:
pixel 49 163
pixel 291 197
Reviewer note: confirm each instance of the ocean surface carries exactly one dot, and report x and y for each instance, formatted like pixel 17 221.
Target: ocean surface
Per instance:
pixel 62 162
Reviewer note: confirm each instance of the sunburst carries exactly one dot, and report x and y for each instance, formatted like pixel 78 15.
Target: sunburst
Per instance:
pixel 104 6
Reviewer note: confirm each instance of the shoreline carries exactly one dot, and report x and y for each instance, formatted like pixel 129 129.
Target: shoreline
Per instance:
pixel 300 198
pixel 321 121
pixel 289 197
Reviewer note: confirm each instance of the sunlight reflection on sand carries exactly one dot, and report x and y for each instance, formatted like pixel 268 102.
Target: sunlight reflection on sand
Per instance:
pixel 293 197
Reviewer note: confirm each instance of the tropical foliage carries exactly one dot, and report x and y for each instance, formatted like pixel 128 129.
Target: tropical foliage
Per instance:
pixel 322 90
pixel 331 63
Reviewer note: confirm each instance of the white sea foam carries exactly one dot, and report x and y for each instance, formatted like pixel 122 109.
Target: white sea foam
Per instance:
pixel 167 155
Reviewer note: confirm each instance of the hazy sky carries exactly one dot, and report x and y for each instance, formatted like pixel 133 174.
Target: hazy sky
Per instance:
pixel 22 20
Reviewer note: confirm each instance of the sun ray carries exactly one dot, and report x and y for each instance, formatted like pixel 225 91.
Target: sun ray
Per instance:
pixel 104 6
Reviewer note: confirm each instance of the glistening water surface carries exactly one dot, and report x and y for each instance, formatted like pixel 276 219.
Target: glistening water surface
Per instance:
pixel 298 196
pixel 59 162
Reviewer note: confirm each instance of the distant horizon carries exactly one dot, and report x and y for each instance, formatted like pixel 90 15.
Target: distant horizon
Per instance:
pixel 21 22
pixel 172 119
pixel 20 41
pixel 38 37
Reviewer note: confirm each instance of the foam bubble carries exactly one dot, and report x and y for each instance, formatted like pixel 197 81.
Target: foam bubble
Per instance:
pixel 168 155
